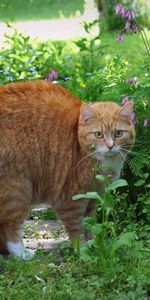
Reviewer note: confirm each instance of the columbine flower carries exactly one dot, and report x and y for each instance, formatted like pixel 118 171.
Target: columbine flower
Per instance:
pixel 52 75
pixel 130 15
pixel 132 80
pixel 127 26
pixel 120 37
pixel 118 9
pixel 125 100
pixel 146 121
pixel 135 28
pixel 123 13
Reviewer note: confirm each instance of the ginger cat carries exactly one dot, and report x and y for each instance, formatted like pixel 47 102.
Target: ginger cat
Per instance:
pixel 46 135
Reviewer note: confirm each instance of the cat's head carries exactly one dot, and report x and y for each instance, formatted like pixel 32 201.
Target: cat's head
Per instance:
pixel 106 128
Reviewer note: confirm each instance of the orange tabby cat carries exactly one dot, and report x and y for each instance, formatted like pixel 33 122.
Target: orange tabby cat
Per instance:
pixel 46 135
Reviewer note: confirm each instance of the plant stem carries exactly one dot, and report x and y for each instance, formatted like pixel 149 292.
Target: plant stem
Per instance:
pixel 146 46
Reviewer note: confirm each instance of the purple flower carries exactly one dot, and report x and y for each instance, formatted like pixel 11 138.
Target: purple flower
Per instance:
pixel 123 13
pixel 146 122
pixel 132 80
pixel 130 15
pixel 135 28
pixel 127 26
pixel 120 37
pixel 52 75
pixel 125 100
pixel 118 9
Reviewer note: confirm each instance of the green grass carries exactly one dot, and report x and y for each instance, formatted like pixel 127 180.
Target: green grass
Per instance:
pixel 18 10
pixel 132 49
pixel 61 274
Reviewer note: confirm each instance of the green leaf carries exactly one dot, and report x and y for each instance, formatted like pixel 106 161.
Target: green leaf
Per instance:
pixel 97 229
pixel 100 177
pixel 86 254
pixel 125 239
pixel 89 195
pixel 140 182
pixel 146 175
pixel 113 186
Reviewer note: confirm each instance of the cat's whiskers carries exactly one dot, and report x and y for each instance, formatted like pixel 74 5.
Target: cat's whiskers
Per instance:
pixel 123 146
pixel 141 142
pixel 125 158
pixel 139 154
pixel 132 163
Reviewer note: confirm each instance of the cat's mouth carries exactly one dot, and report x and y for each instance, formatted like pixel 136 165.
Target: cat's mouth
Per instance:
pixel 107 151
pixel 102 153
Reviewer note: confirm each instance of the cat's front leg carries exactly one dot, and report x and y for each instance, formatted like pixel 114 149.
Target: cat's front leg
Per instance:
pixel 14 203
pixel 72 214
pixel 14 244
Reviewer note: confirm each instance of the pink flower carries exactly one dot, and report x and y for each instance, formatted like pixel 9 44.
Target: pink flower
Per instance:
pixel 146 122
pixel 125 100
pixel 123 13
pixel 127 26
pixel 130 15
pixel 120 37
pixel 135 28
pixel 52 75
pixel 118 9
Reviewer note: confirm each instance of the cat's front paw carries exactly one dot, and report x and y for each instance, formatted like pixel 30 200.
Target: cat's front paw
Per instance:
pixel 17 250
pixel 27 254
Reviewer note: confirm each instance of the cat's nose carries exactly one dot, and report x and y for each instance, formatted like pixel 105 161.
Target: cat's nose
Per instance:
pixel 110 146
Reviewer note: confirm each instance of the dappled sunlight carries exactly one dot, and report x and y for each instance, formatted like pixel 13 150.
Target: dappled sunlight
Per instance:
pixel 53 29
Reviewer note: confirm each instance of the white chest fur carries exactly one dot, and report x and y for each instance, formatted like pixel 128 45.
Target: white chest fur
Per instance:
pixel 115 163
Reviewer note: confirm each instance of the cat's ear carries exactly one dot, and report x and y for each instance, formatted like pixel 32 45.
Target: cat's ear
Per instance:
pixel 127 110
pixel 87 113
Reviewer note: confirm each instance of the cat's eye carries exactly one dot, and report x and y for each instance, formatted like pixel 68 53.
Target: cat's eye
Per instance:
pixel 99 135
pixel 118 133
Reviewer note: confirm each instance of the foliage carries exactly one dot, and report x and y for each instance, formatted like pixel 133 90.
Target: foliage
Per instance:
pixel 114 243
pixel 19 10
